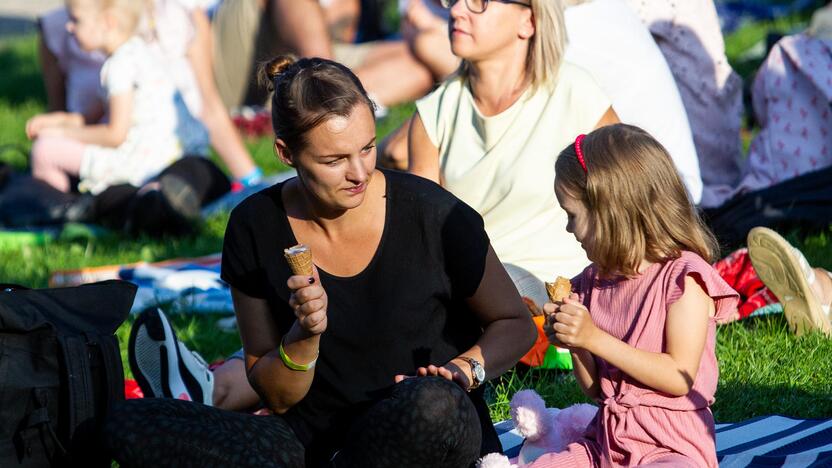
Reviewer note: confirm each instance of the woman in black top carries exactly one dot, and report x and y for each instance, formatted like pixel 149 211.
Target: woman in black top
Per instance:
pixel 368 361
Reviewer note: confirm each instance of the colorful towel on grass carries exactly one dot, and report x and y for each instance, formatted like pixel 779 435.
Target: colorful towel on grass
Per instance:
pixel 767 441
pixel 736 269
pixel 183 285
pixel 194 285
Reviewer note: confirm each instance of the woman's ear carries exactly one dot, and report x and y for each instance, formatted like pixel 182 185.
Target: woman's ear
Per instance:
pixel 527 25
pixel 283 153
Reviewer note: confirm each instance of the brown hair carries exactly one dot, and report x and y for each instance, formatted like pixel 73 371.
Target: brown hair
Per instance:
pixel 638 206
pixel 306 93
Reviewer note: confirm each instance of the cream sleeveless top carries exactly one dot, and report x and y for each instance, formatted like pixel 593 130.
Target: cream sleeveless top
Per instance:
pixel 504 165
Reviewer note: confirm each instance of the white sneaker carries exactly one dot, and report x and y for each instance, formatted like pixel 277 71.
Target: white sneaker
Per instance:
pixel 163 366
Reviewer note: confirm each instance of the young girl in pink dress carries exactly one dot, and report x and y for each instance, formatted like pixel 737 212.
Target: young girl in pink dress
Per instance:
pixel 641 320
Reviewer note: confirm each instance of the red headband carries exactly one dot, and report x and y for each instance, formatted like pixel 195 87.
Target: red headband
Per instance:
pixel 580 152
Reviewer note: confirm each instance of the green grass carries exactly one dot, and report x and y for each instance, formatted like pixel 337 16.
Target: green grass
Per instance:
pixel 764 368
pixel 744 43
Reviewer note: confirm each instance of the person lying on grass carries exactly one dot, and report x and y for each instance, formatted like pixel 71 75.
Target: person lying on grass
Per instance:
pixel 376 358
pixel 641 322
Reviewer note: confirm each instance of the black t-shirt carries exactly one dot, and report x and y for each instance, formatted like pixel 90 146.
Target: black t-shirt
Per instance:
pixel 405 310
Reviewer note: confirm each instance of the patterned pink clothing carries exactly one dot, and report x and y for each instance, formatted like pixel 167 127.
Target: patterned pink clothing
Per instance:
pixel 689 36
pixel 792 94
pixel 636 425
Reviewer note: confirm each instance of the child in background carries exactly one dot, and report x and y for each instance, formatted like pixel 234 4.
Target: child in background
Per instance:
pixel 180 32
pixel 641 321
pixel 149 127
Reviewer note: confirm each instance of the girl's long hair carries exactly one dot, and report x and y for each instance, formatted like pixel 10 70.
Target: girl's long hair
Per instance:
pixel 638 206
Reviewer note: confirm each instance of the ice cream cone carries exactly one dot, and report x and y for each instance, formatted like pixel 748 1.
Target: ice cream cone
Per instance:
pixel 300 259
pixel 559 290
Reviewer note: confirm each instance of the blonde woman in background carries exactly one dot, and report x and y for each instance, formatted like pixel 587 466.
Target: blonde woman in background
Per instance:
pixel 490 133
pixel 607 39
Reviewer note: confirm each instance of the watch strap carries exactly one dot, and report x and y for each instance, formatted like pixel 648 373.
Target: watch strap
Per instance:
pixel 473 363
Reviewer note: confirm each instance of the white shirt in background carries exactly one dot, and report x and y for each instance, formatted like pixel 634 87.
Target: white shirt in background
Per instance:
pixel 609 40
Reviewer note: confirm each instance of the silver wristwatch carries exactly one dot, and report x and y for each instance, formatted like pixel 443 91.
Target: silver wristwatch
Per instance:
pixel 477 372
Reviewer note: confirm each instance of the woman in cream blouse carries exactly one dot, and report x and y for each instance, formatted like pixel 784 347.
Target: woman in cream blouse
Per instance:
pixel 491 132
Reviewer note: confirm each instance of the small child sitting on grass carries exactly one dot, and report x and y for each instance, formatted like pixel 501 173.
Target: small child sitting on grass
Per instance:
pixel 641 321
pixel 149 127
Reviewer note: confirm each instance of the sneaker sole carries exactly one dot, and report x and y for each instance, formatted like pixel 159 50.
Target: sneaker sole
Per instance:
pixel 777 267
pixel 145 330
pixel 191 365
pixel 153 357
pixel 181 196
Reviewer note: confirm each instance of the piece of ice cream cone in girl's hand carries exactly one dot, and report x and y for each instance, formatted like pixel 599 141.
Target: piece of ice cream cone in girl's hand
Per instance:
pixel 559 290
pixel 300 259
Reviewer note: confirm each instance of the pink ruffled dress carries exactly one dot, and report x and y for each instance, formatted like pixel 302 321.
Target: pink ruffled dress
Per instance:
pixel 637 425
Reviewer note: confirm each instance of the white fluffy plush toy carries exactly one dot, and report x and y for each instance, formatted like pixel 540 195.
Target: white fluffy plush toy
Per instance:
pixel 545 429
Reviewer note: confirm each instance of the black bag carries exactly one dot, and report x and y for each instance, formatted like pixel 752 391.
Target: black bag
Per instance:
pixel 60 369
pixel 803 203
pixel 26 202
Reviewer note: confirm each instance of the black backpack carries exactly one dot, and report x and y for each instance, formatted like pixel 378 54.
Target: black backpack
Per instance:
pixel 60 369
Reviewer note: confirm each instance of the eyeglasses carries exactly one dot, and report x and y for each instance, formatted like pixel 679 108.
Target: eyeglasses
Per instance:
pixel 479 6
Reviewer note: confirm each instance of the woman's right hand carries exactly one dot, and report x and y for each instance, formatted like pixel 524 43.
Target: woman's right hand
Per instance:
pixel 309 301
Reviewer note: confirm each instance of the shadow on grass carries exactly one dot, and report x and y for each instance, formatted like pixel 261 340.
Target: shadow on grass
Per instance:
pixel 765 369
pixel 737 401
pixel 20 79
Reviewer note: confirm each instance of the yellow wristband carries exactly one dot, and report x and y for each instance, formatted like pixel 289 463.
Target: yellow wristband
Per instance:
pixel 288 362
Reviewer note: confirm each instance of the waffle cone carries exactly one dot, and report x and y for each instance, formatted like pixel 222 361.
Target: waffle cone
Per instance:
pixel 299 258
pixel 559 290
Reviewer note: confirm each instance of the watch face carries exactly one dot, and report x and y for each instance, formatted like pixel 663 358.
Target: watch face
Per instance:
pixel 479 373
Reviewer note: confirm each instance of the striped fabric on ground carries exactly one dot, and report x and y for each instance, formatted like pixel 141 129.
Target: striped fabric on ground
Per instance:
pixel 766 441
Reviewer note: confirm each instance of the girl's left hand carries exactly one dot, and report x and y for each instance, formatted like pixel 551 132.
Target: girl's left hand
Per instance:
pixel 573 326
pixel 449 371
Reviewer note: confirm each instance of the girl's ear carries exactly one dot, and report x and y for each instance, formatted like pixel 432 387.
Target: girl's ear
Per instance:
pixel 283 153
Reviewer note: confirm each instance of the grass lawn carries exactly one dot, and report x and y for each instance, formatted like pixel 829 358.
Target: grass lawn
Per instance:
pixel 764 368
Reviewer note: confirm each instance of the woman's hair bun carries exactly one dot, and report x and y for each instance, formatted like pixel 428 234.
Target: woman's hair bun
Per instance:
pixel 270 70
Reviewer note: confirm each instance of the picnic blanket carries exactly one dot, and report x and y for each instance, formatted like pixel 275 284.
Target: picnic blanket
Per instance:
pixel 183 285
pixel 766 441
